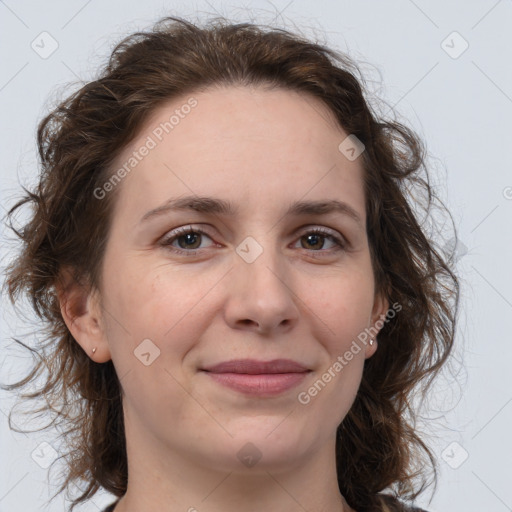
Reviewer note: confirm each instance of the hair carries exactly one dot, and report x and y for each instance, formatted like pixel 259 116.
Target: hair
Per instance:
pixel 378 447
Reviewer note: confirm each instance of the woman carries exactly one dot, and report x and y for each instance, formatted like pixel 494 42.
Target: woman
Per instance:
pixel 239 298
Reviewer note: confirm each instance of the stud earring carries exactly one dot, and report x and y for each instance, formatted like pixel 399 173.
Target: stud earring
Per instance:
pixel 94 350
pixel 371 342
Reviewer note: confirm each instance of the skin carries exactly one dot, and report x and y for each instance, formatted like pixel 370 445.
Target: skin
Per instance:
pixel 262 150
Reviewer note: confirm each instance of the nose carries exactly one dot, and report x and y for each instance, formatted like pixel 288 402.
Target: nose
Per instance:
pixel 260 293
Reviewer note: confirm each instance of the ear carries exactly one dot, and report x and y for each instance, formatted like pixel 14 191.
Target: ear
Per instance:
pixel 378 319
pixel 81 310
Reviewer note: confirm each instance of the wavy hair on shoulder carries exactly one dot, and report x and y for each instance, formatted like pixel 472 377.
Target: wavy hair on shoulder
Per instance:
pixel 381 458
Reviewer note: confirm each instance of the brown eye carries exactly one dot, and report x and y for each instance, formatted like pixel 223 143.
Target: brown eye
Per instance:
pixel 315 241
pixel 188 239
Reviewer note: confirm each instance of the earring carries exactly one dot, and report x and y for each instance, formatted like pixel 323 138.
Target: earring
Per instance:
pixel 94 350
pixel 371 342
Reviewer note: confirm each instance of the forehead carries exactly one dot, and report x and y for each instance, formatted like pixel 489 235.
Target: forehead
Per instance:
pixel 241 142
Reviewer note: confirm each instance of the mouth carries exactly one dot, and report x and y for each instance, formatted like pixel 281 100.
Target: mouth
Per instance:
pixel 259 378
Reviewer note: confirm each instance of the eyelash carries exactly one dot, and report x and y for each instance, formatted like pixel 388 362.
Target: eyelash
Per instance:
pixel 177 233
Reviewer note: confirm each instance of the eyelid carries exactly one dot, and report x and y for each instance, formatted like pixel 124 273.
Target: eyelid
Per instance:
pixel 338 239
pixel 180 231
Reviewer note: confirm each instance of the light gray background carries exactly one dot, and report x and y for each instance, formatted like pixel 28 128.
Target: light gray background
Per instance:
pixel 461 106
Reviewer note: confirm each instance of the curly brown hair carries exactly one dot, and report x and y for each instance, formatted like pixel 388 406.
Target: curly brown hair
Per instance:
pixel 378 447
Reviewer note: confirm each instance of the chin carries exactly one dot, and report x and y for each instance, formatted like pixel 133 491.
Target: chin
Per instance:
pixel 272 441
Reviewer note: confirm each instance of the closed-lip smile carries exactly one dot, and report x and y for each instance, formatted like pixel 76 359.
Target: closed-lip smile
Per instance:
pixel 259 378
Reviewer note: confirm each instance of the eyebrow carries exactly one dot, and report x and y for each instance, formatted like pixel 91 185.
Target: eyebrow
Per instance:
pixel 210 205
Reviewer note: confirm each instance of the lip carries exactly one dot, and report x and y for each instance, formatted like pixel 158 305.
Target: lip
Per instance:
pixel 258 378
pixel 254 367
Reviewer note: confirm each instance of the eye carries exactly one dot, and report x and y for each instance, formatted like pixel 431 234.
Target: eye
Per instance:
pixel 316 238
pixel 189 238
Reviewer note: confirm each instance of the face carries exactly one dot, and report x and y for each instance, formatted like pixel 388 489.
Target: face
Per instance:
pixel 266 281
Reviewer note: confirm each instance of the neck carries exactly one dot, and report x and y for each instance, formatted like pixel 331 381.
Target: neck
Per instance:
pixel 171 480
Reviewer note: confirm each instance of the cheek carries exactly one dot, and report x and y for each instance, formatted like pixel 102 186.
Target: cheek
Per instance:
pixel 343 307
pixel 163 309
pixel 164 306
pixel 342 310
